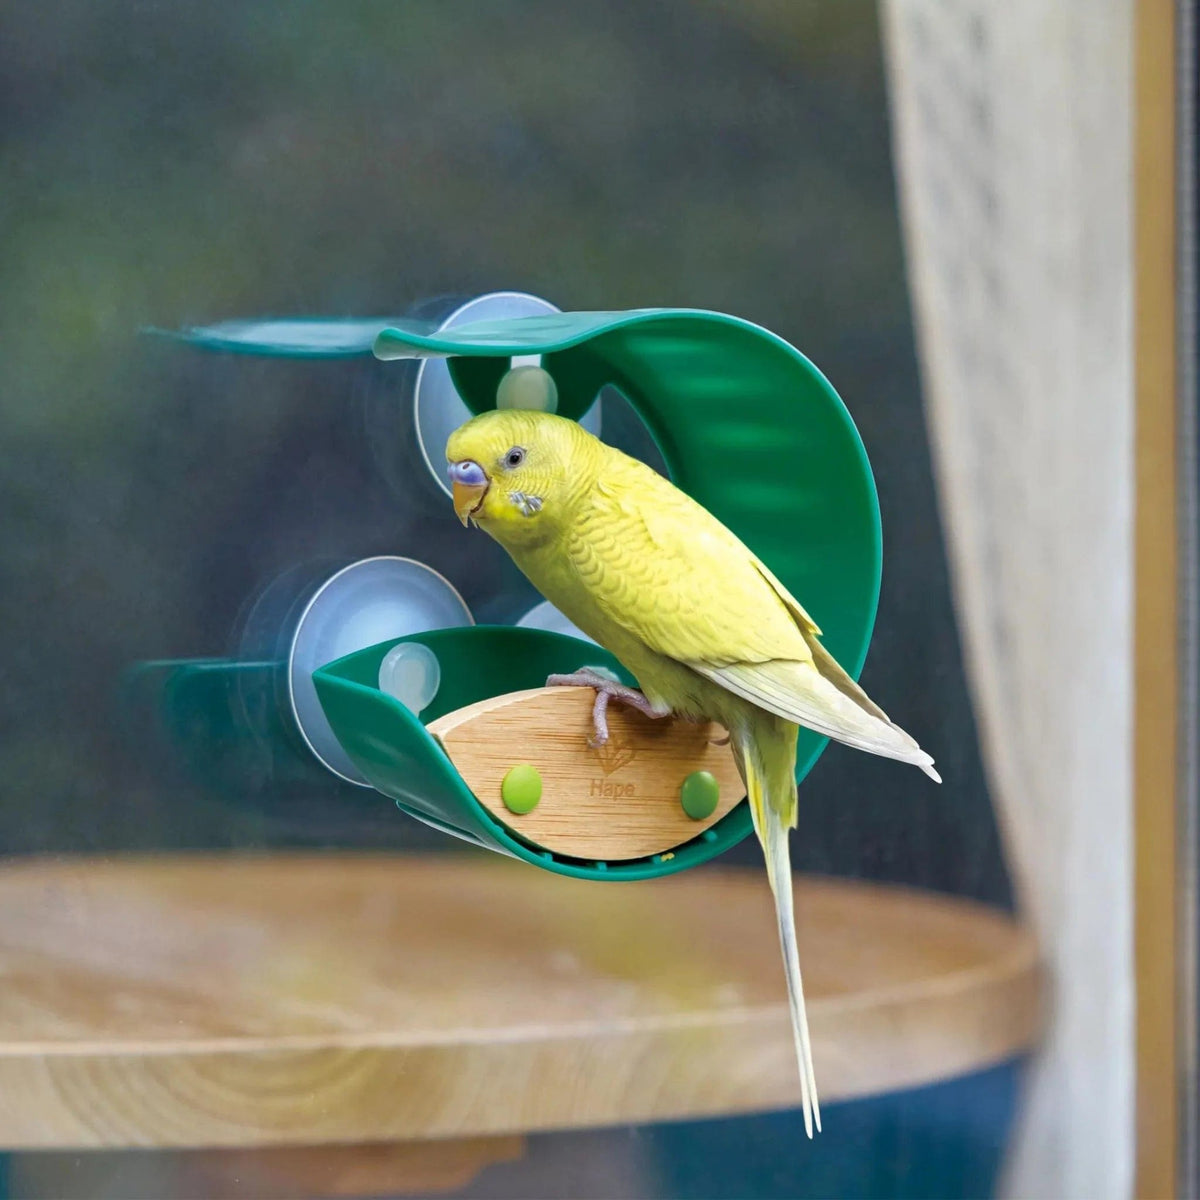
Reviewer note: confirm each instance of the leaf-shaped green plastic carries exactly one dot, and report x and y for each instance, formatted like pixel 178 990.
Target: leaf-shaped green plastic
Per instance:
pixel 292 337
pixel 399 757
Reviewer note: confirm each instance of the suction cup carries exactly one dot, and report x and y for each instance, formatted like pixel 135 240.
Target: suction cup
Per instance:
pixel 437 406
pixel 546 616
pixel 361 605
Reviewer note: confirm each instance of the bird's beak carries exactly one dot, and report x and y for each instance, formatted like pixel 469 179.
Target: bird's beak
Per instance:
pixel 468 485
pixel 467 499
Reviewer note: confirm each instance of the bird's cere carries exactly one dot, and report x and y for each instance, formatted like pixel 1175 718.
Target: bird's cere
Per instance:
pixel 468 473
pixel 528 387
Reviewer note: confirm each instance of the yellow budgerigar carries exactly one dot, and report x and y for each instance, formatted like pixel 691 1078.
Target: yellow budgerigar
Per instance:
pixel 704 626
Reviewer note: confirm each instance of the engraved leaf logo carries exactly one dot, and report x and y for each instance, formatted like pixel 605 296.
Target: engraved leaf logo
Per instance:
pixel 614 755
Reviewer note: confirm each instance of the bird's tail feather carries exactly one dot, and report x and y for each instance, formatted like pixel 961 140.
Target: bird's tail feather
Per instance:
pixel 774 815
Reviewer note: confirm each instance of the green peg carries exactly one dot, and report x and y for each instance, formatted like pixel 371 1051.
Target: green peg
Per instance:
pixel 521 789
pixel 699 794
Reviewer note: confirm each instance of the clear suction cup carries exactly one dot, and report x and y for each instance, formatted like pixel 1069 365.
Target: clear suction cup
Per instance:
pixel 546 616
pixel 528 387
pixel 362 604
pixel 411 674
pixel 439 409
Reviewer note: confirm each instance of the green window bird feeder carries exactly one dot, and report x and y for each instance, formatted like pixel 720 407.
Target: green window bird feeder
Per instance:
pixel 458 730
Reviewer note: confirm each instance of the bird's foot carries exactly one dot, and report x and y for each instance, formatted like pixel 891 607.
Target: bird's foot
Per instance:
pixel 606 689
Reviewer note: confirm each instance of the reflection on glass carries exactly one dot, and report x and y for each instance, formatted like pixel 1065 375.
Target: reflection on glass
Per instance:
pixel 250 723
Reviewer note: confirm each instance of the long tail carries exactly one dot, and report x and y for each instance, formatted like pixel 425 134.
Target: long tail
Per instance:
pixel 767 759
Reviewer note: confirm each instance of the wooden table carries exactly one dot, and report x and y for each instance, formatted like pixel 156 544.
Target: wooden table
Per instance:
pixel 441 1008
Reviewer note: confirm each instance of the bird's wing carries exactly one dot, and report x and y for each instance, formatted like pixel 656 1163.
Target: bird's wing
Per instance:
pixel 816 692
pixel 828 666
pixel 664 569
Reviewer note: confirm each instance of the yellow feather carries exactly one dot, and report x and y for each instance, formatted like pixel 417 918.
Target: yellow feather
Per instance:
pixel 707 629
pixel 766 754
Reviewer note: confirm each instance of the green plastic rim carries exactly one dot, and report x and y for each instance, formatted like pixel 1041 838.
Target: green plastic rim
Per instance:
pixel 748 426
pixel 400 758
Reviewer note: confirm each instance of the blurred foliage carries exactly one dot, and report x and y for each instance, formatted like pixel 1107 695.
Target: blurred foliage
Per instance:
pixel 168 164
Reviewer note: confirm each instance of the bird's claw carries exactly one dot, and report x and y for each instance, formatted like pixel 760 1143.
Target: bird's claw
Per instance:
pixel 606 689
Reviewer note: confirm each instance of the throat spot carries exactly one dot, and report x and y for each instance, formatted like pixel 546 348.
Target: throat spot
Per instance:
pixel 525 504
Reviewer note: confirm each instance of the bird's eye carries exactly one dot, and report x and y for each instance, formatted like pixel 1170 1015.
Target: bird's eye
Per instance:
pixel 515 457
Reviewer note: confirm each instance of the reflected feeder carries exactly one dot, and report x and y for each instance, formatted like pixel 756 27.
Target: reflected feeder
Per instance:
pixel 488 753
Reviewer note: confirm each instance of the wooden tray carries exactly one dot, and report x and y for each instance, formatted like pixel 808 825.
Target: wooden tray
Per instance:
pixel 193 1002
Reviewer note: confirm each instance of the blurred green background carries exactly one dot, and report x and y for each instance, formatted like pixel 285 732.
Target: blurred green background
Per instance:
pixel 168 164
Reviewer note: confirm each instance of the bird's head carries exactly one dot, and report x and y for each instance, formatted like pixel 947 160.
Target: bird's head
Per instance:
pixel 517 472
